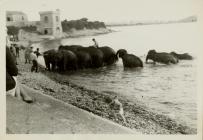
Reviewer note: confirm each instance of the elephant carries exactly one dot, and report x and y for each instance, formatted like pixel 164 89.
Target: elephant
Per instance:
pixel 66 60
pixel 84 59
pixel 95 54
pixel 109 55
pixel 49 59
pixel 129 60
pixel 161 57
pixel 184 56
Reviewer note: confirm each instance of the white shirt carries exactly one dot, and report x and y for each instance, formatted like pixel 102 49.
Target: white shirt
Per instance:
pixel 33 56
pixel 8 42
pixel 96 44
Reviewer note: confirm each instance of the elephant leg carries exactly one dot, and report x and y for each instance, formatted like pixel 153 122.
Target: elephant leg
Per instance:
pixel 75 66
pixel 168 62
pixel 64 65
pixel 48 66
pixel 81 65
pixel 53 66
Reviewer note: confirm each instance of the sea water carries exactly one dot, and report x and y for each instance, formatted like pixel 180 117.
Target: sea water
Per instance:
pixel 166 89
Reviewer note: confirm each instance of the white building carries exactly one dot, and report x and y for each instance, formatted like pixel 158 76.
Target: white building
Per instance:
pixel 16 18
pixel 50 23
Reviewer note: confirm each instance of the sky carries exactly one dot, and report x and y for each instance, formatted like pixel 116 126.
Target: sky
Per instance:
pixel 107 10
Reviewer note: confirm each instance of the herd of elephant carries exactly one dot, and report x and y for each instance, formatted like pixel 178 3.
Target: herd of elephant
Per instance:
pixel 73 57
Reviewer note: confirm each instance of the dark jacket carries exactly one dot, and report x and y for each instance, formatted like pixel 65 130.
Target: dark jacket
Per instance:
pixel 11 70
pixel 37 53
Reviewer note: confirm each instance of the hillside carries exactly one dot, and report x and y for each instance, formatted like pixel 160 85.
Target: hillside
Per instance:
pixel 81 24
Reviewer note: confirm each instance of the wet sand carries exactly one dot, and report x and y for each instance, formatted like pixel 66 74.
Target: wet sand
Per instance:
pixel 138 116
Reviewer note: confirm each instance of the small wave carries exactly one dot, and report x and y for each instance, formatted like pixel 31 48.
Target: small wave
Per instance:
pixel 186 65
pixel 139 89
pixel 109 92
pixel 167 103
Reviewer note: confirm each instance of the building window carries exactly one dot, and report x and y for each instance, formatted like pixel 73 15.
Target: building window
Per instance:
pixel 58 28
pixel 57 18
pixel 46 19
pixel 45 31
pixel 9 19
pixel 22 18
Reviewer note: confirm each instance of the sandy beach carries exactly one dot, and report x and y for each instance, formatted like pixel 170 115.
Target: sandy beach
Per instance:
pixel 58 86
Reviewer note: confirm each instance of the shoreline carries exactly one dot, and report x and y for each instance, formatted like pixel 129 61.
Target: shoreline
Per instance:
pixel 138 116
pixel 25 37
pixel 86 32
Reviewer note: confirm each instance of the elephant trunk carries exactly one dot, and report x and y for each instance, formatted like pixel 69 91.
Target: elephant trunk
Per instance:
pixel 117 55
pixel 147 58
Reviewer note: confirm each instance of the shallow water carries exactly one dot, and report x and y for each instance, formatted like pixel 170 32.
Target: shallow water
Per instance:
pixel 170 90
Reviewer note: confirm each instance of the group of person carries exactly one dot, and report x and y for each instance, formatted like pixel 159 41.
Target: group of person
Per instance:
pixel 13 38
pixel 32 56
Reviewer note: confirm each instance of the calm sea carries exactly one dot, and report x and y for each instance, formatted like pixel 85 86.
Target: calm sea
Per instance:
pixel 170 90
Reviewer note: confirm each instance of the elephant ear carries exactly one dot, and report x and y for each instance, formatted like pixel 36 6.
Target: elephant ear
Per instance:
pixel 60 47
pixel 121 53
pixel 173 53
pixel 150 55
pixel 151 52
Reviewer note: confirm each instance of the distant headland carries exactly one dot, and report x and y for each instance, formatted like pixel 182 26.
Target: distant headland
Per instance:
pixel 133 23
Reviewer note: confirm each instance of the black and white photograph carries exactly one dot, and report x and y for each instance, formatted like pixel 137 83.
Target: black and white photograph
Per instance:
pixel 102 67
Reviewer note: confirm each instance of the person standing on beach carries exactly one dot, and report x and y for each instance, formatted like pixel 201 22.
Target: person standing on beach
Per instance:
pixel 117 108
pixel 28 50
pixel 95 43
pixel 37 52
pixel 8 42
pixel 33 58
pixel 13 52
pixel 17 50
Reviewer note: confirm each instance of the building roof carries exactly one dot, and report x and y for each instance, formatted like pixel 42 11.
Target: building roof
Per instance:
pixel 15 13
pixel 49 12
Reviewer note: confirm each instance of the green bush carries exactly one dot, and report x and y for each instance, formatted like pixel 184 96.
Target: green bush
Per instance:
pixel 30 28
pixel 12 30
pixel 81 24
